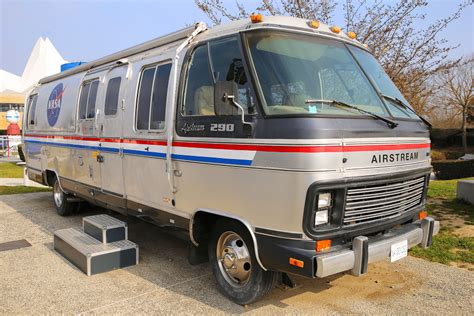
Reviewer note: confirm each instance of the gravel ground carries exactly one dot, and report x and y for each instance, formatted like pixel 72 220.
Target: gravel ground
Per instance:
pixel 37 280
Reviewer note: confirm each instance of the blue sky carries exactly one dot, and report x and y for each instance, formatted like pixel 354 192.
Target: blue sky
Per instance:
pixel 86 30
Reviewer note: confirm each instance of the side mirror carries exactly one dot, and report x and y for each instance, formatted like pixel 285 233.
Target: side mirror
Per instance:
pixel 224 93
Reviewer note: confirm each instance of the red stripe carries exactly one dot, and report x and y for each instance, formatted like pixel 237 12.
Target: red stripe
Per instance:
pixel 144 142
pixel 385 147
pixel 276 148
pixel 250 147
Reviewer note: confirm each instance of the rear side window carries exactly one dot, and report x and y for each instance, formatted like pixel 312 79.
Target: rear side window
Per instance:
pixel 152 93
pixel 32 110
pixel 112 96
pixel 87 100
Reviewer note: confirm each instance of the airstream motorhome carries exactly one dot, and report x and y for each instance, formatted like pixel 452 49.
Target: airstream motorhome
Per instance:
pixel 277 145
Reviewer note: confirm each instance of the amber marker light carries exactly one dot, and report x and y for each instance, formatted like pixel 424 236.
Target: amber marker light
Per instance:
pixel 351 35
pixel 256 17
pixel 314 24
pixel 296 263
pixel 335 29
pixel 322 245
pixel 422 214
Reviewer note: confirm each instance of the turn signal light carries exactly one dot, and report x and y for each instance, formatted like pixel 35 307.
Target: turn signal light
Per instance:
pixel 256 17
pixel 296 263
pixel 335 29
pixel 422 214
pixel 322 245
pixel 351 35
pixel 314 24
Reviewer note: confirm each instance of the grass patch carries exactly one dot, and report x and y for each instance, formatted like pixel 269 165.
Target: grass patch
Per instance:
pixel 447 248
pixel 10 170
pixel 443 189
pixel 20 189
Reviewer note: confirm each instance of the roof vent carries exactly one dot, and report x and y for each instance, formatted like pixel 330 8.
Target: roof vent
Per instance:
pixel 68 66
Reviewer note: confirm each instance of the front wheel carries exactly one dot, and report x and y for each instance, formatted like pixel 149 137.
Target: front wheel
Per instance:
pixel 62 205
pixel 232 256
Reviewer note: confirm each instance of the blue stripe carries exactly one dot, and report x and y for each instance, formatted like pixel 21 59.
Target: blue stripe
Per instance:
pixel 227 161
pixel 144 153
pixel 73 146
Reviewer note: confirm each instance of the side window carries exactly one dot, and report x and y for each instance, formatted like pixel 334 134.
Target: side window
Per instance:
pixel 91 99
pixel 199 86
pixel 144 98
pixel 87 100
pixel 227 65
pixel 219 60
pixel 83 101
pixel 152 93
pixel 112 96
pixel 32 110
pixel 158 103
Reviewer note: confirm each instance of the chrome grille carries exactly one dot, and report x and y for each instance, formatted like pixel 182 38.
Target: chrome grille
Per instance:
pixel 375 202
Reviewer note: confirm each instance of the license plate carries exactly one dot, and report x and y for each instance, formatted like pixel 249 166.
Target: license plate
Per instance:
pixel 399 250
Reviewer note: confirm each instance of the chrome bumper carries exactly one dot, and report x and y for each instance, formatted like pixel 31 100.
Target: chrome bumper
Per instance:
pixel 366 250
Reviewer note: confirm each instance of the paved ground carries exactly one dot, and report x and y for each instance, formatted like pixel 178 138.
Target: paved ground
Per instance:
pixel 11 181
pixel 38 280
pixel 9 159
pixel 19 181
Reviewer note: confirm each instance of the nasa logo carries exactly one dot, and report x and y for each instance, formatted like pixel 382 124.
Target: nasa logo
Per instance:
pixel 54 104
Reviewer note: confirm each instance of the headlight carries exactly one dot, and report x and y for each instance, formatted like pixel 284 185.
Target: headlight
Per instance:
pixel 322 208
pixel 321 217
pixel 324 200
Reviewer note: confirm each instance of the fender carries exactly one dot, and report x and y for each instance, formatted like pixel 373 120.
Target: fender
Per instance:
pixel 231 216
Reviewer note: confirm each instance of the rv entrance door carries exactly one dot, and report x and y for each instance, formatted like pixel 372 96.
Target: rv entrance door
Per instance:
pixel 110 129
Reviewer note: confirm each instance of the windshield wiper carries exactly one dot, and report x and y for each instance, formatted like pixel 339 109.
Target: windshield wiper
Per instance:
pixel 405 106
pixel 390 123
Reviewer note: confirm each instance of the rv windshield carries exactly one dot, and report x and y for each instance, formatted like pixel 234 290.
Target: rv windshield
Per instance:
pixel 293 68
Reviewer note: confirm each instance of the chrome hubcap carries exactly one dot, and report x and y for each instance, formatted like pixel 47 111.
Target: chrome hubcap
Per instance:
pixel 58 194
pixel 233 258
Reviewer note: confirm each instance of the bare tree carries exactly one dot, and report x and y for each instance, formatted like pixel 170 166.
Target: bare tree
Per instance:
pixel 456 93
pixel 409 53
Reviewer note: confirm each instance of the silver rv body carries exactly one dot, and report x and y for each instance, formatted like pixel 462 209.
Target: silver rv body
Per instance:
pixel 121 132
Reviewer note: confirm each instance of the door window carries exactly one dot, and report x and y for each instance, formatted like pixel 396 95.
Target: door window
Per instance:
pixel 112 96
pixel 152 94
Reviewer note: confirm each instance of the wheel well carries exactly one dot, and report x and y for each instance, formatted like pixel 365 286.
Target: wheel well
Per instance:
pixel 202 224
pixel 50 176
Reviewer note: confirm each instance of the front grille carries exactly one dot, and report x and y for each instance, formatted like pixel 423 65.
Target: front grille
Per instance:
pixel 375 202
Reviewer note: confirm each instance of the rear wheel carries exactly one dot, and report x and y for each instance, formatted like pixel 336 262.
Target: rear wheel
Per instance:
pixel 232 256
pixel 63 207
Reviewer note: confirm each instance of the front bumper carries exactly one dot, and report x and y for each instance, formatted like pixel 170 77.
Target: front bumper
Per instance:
pixel 275 252
pixel 365 250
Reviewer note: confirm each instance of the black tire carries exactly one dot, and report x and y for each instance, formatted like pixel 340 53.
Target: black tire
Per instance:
pixel 63 207
pixel 21 153
pixel 258 284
